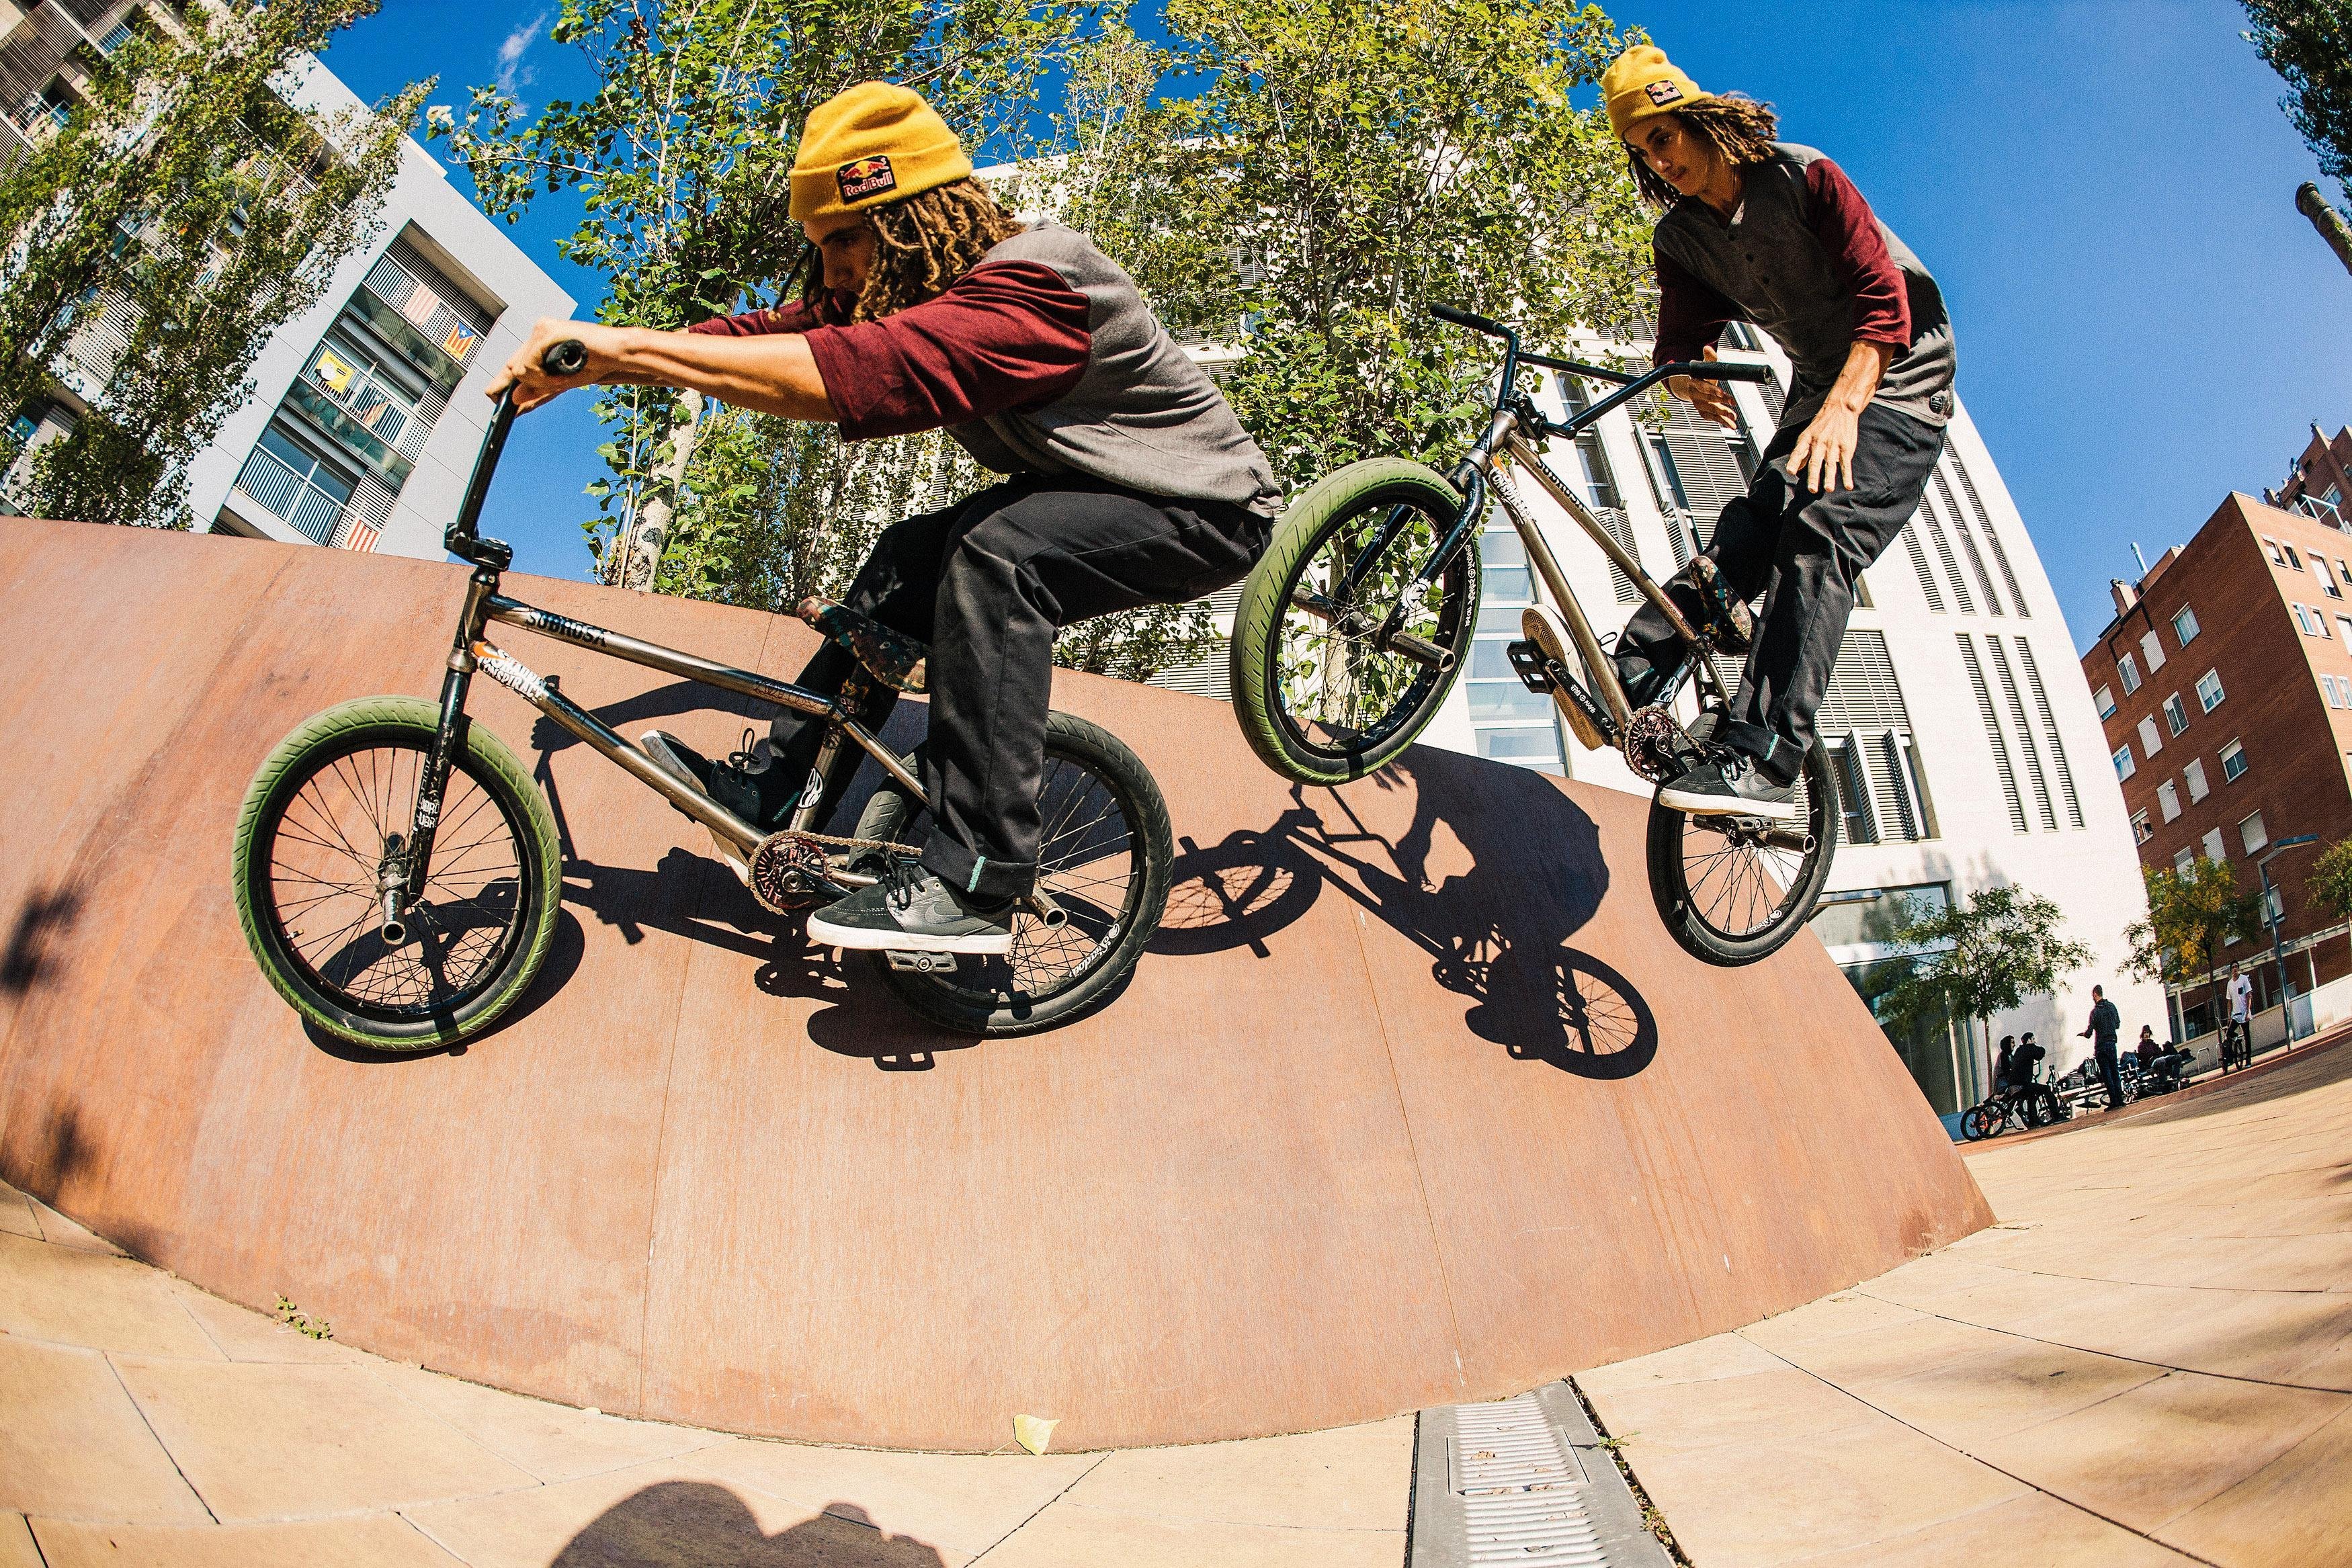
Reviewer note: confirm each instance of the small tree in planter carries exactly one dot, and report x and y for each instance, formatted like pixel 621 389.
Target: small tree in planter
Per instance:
pixel 1973 960
pixel 2191 914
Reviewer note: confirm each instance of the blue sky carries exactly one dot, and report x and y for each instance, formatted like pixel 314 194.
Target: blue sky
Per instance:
pixel 2106 190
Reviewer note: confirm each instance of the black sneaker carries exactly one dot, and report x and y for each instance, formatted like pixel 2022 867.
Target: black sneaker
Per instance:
pixel 747 784
pixel 913 911
pixel 1730 784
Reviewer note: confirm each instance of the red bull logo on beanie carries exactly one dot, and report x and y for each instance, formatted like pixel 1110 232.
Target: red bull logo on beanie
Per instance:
pixel 1663 93
pixel 864 177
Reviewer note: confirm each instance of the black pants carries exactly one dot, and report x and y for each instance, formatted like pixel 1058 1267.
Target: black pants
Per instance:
pixel 1809 549
pixel 2106 1050
pixel 987 582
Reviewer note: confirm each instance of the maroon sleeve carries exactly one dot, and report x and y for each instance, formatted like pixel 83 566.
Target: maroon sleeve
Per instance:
pixel 1848 230
pixel 793 318
pixel 1691 315
pixel 1005 335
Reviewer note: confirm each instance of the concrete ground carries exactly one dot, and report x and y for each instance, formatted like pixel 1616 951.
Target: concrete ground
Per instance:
pixel 2148 1361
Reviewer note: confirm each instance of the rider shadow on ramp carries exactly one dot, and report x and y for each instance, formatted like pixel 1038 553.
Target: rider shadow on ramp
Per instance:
pixel 1497 930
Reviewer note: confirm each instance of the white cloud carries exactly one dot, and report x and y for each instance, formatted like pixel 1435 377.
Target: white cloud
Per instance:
pixel 513 75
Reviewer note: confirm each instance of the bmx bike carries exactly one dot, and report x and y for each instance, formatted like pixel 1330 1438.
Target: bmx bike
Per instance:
pixel 1359 618
pixel 397 875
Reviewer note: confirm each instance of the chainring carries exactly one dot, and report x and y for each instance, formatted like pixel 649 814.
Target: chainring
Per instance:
pixel 788 872
pixel 1655 745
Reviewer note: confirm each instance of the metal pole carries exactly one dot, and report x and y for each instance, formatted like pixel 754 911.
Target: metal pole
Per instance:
pixel 2278 954
pixel 2326 220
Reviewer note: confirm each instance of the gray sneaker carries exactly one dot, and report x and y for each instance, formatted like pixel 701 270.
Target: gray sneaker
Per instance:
pixel 911 911
pixel 1730 784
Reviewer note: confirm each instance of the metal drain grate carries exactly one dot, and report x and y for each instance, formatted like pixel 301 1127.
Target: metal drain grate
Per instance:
pixel 1522 1481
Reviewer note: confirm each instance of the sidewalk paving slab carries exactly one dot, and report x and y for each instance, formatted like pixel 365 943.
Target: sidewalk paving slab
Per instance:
pixel 74 1444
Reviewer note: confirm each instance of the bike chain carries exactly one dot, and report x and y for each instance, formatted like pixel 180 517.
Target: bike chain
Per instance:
pixel 784 865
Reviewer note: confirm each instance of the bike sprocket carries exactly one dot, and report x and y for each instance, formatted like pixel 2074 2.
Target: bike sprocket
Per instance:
pixel 1655 745
pixel 788 872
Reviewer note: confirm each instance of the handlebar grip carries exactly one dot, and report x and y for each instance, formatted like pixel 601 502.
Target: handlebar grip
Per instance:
pixel 1475 322
pixel 1738 370
pixel 567 358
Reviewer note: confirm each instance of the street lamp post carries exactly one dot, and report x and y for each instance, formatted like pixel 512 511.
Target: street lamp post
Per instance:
pixel 2271 917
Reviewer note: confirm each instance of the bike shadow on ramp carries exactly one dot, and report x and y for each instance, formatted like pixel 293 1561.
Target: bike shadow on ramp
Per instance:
pixel 1497 930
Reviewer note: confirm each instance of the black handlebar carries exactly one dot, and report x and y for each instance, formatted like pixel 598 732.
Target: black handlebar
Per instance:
pixel 566 359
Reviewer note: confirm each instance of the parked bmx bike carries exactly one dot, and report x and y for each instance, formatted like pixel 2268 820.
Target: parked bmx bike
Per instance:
pixel 1359 618
pixel 398 879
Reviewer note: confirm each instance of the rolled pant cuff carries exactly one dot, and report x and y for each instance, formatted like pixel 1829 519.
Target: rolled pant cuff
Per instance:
pixel 976 875
pixel 1780 756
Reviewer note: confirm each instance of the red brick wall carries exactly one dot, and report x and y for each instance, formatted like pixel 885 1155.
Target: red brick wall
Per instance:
pixel 2295 744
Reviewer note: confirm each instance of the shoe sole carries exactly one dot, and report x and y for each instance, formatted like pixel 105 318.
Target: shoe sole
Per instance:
pixel 867 939
pixel 1694 805
pixel 1541 626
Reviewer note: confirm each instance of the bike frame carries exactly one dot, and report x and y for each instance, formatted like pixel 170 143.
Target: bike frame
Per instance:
pixel 1511 431
pixel 469 651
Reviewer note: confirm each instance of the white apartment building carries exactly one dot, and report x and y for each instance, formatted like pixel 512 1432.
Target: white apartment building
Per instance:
pixel 1962 733
pixel 367 412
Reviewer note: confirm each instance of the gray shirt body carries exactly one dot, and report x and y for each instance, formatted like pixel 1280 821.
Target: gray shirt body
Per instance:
pixel 1143 415
pixel 1769 263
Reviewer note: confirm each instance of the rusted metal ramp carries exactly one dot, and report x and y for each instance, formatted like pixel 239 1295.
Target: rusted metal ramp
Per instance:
pixel 1412 1103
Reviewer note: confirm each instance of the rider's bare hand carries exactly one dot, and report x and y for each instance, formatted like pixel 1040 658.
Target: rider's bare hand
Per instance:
pixel 1712 399
pixel 1823 459
pixel 529 377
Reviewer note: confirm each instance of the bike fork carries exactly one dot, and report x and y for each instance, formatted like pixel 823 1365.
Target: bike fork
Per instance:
pixel 417 853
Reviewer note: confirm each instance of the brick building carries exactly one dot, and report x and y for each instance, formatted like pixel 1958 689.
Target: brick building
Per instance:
pixel 2225 685
pixel 2320 480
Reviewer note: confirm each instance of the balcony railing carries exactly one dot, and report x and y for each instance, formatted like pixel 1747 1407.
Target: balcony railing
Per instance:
pixel 2321 509
pixel 287 495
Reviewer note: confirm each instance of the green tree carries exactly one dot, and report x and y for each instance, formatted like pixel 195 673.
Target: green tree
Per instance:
pixel 184 213
pixel 2309 44
pixel 2330 885
pixel 2193 914
pixel 1973 960
pixel 681 154
pixel 1366 162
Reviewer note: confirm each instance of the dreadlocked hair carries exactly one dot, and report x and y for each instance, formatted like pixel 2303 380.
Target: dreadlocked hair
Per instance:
pixel 920 245
pixel 1737 127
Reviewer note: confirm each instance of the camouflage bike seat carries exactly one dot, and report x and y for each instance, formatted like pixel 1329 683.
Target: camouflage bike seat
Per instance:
pixel 891 657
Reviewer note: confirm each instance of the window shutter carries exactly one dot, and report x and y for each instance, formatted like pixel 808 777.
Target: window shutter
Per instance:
pixel 2050 732
pixel 1993 737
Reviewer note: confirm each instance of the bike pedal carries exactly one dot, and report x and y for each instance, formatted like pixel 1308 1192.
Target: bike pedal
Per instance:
pixel 1527 662
pixel 907 963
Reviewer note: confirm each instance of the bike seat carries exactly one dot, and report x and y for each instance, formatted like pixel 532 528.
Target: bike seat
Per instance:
pixel 892 657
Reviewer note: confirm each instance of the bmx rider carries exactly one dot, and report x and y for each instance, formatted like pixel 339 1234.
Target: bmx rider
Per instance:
pixel 1774 233
pixel 1129 481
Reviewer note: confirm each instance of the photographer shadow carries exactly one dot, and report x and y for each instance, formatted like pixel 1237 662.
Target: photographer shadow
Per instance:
pixel 700 1524
pixel 1496 931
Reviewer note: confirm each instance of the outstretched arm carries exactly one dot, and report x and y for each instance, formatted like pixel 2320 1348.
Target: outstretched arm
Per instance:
pixel 774 373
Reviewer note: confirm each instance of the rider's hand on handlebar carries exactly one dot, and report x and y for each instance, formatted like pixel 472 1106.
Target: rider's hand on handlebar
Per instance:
pixel 528 375
pixel 1712 399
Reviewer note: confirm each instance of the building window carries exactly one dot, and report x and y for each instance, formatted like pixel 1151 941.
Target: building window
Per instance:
pixel 2142 829
pixel 2168 798
pixel 2124 766
pixel 2328 684
pixel 2150 741
pixel 2153 646
pixel 2272 545
pixel 2195 775
pixel 2209 690
pixel 2327 577
pixel 1882 788
pixel 2183 859
pixel 2105 701
pixel 2214 845
pixel 1512 724
pixel 2128 672
pixel 2233 762
pixel 1853 791
pixel 2292 560
pixel 2184 626
pixel 2344 624
pixel 2175 713
pixel 2250 833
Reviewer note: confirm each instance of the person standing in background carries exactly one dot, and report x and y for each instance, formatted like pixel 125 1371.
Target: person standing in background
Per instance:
pixel 2238 1043
pixel 2106 1024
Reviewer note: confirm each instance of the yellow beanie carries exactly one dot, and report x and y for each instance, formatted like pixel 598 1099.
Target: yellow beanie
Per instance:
pixel 876 143
pixel 1641 83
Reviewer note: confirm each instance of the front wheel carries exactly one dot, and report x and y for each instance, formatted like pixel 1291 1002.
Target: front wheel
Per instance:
pixel 1106 858
pixel 321 830
pixel 1320 699
pixel 1733 890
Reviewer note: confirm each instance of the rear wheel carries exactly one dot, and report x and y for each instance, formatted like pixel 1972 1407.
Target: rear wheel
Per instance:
pixel 1733 890
pixel 323 820
pixel 1105 857
pixel 1319 699
pixel 1976 1123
